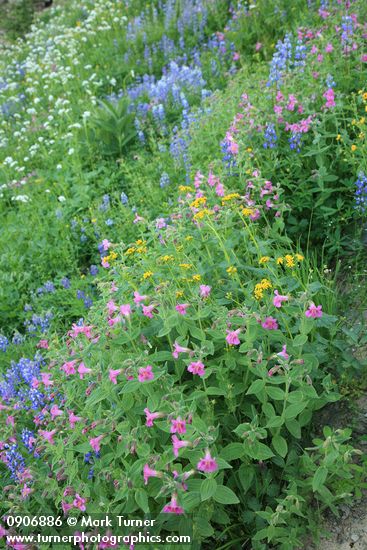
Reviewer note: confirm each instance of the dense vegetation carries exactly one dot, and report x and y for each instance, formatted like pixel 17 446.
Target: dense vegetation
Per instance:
pixel 183 187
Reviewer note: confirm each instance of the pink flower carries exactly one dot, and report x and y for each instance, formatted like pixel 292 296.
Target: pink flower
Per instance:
pixel 219 189
pixel 69 367
pixel 147 311
pixel 111 307
pixel 160 223
pixel 82 370
pixel 149 472
pixel 48 435
pixel 329 48
pixel 181 308
pixel 125 310
pixel 205 290
pixel 114 321
pixel 196 367
pixel 138 218
pixel 66 507
pixel 179 444
pixel 172 507
pixel 279 299
pixel 364 58
pixel 330 98
pixel 232 337
pixel 55 411
pixel 45 377
pixel 113 374
pixel 314 311
pixel 178 349
pixel 236 56
pixel 178 426
pixel 207 464
pixel 73 419
pixel 106 244
pixel 138 298
pixel 150 417
pixel 79 502
pixel 145 374
pixel 258 46
pixel 270 323
pixel 26 491
pixel 283 353
pixel 95 443
pixel 43 344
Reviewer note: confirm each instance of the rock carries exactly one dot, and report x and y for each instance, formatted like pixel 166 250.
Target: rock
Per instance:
pixel 354 537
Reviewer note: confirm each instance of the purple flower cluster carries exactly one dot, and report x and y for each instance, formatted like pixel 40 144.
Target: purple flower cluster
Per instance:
pixel 18 383
pixel 361 192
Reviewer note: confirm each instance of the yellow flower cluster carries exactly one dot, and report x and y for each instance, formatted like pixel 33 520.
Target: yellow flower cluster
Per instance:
pixel 200 201
pixel 230 197
pixel 247 211
pixel 200 215
pixel 139 249
pixel 260 287
pixel 167 258
pixel 186 266
pixel 147 274
pixel 185 188
pixel 111 257
pixel 264 260
pixel 289 260
pixel 231 270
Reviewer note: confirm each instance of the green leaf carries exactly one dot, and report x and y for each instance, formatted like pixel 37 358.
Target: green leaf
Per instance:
pixel 256 387
pixel 300 340
pixel 280 445
pixel 225 495
pixel 258 451
pixel 293 410
pixel 319 478
pixel 142 500
pixel 208 488
pixel 203 527
pixel 275 393
pixel 232 451
pixel 275 422
pixel 293 427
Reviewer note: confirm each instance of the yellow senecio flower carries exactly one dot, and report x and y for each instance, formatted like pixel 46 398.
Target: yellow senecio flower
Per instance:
pixel 189 238
pixel 289 260
pixel 353 148
pixel 147 274
pixel 196 277
pixel 264 259
pixel 130 250
pixel 200 215
pixel 167 258
pixel 184 188
pixel 247 211
pixel 264 284
pixel 300 257
pixel 231 270
pixel 186 266
pixel 200 201
pixel 280 260
pixel 230 197
pixel 179 293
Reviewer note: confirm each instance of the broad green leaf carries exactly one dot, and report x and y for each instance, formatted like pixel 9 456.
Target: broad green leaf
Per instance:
pixel 225 495
pixel 208 488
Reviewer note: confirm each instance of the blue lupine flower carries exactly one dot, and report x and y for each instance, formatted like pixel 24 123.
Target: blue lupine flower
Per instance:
pixel 65 282
pixel 93 270
pixel 4 343
pixel 361 192
pixel 270 137
pixel 124 198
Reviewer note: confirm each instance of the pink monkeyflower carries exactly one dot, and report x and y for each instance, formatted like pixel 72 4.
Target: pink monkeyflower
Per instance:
pixel 69 367
pixel 173 507
pixel 179 444
pixel 150 417
pixel 66 507
pixel 207 464
pixel 179 349
pixel 10 420
pixel 125 310
pixel 219 189
pixel 73 419
pixel 160 223
pixel 270 323
pixel 138 218
pixel 138 298
pixel 113 322
pixel 48 435
pixel 111 307
pixel 178 426
pixel 329 48
pixel 149 472
pixel 55 411
pixel 320 58
pixel 314 311
pixel 79 502
pixel 205 290
pixel 181 308
pixel 95 443
pixel 236 56
pixel 82 370
pixel 283 353
pixel 104 263
pixel 45 377
pixel 147 311
pixel 258 46
pixel 113 374
pixel 26 491
pixel 106 244
pixel 330 98
pixel 197 367
pixel 232 337
pixel 43 344
pixel 279 299
pixel 145 373
pixel 364 58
